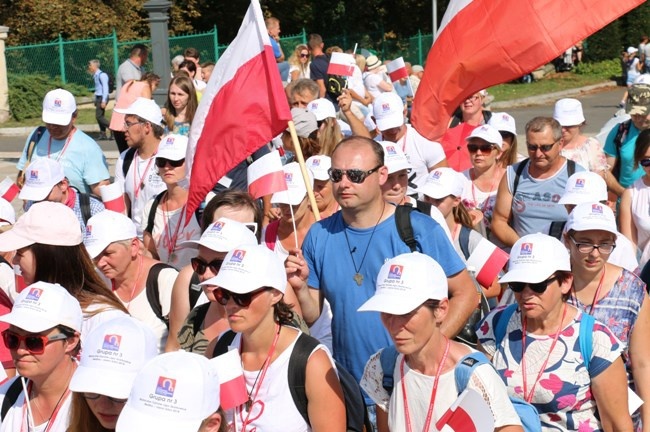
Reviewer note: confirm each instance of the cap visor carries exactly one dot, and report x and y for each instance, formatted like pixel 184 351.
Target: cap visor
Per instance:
pixel 526 275
pixel 10 241
pixel 29 193
pixel 96 248
pixel 101 381
pixel 57 119
pixel 389 122
pixel 132 420
pixel 394 305
pixel 287 197
pixel 28 322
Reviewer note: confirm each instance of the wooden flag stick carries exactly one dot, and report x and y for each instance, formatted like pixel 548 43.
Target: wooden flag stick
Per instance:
pixel 303 169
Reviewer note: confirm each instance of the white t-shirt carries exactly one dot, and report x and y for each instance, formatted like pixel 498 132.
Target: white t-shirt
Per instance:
pixel 372 81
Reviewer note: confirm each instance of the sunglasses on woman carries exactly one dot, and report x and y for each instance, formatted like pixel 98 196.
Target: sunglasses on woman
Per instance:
pixel 354 175
pixel 162 162
pixel 35 344
pixel 538 287
pixel 95 396
pixel 484 148
pixel 645 162
pixel 242 300
pixel 303 55
pixel 199 266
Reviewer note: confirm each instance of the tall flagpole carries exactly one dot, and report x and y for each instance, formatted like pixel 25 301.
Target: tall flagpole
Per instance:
pixel 434 6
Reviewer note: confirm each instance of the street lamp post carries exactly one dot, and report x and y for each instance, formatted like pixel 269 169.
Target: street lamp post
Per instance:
pixel 158 19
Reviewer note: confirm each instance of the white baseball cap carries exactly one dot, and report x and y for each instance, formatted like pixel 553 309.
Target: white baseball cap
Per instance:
pixel 173 392
pixel 487 133
pixel 40 177
pixel 248 268
pixel 7 213
pixel 144 108
pixel 172 147
pixel 322 109
pixel 592 216
pixel 58 107
pixel 582 187
pixel 632 50
pixel 405 282
pixel 319 165
pixel 503 122
pixel 107 227
pixel 442 182
pixel 568 112
pixel 394 158
pixel 535 257
pixel 223 235
pixel 45 222
pixel 42 306
pixel 296 189
pixel 388 110
pixel 112 355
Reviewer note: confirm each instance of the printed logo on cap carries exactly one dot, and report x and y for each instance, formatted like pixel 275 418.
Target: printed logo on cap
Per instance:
pixel 238 255
pixel 315 162
pixel 112 342
pixel 314 105
pixel 89 230
pixel 526 249
pixel 395 271
pixel 218 226
pixel 385 107
pixel 33 174
pixel 391 150
pixel 34 294
pixel 170 141
pixel 484 128
pixel 580 183
pixel 597 209
pixel 505 117
pixel 436 175
pixel 165 386
pixel 57 103
pixel 288 177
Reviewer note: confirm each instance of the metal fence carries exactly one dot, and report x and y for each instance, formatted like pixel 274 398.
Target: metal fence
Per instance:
pixel 68 60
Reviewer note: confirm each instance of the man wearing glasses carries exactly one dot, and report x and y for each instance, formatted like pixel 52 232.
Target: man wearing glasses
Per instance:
pixel 528 195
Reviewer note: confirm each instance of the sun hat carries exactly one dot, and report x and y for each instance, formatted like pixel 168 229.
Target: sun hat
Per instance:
pixel 173 392
pixel 322 109
pixel 248 268
pixel 40 177
pixel 107 227
pixel 223 235
pixel 638 99
pixel 503 122
pixel 592 216
pixel 405 282
pixel 296 189
pixel 113 354
pixel 372 62
pixel 582 187
pixel 319 165
pixel 388 110
pixel 304 122
pixel 442 182
pixel 144 108
pixel 46 222
pixel 394 158
pixel 568 112
pixel 58 107
pixel 535 257
pixel 7 213
pixel 42 306
pixel 487 133
pixel 172 147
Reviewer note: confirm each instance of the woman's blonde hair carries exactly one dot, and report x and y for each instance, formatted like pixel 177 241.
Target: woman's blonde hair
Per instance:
pixel 329 136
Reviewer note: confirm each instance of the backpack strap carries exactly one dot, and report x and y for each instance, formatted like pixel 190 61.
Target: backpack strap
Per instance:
pixel 387 359
pixel 195 290
pixel 221 347
pixel 271 234
pixel 153 292
pixel 84 206
pixel 404 226
pixel 199 317
pixel 297 372
pixel 128 160
pixel 621 134
pixel 11 397
pixel 518 173
pixel 465 368
pixel 463 239
pixel 585 337
pixel 152 212
pixel 556 229
pixel 423 207
pixel 501 325
pixel 570 167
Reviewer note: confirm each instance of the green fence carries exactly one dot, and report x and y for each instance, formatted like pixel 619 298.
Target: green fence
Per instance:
pixel 69 59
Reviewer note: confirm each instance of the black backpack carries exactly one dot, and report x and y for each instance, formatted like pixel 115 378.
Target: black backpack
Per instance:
pixel 153 292
pixel 111 81
pixel 355 406
pixel 621 134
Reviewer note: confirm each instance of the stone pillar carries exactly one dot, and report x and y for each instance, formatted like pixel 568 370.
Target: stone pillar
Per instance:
pixel 4 84
pixel 158 19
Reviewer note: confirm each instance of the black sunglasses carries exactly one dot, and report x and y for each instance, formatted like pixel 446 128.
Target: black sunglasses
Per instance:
pixel 543 147
pixel 242 300
pixel 304 55
pixel 644 162
pixel 485 148
pixel 95 396
pixel 354 175
pixel 35 344
pixel 161 162
pixel 538 287
pixel 199 266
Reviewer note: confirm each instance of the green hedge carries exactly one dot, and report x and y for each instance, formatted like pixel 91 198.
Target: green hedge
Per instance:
pixel 26 93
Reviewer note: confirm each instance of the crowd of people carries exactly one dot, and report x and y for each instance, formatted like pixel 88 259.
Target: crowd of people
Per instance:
pixel 122 312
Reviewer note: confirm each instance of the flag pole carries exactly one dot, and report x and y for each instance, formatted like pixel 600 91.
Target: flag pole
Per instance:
pixel 303 169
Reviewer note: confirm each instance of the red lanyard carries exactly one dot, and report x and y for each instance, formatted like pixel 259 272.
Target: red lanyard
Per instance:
pixel 529 397
pixel 171 245
pixel 404 140
pixel 65 146
pixel 407 416
pixel 596 294
pixel 138 186
pixel 52 418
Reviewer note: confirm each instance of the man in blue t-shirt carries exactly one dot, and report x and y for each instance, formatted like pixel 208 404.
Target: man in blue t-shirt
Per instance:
pixel 273 28
pixel 343 253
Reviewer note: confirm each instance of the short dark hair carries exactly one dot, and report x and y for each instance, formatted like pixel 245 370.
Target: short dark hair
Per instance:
pixel 374 145
pixel 539 124
pixel 232 198
pixel 314 40
pixel 191 52
pixel 138 49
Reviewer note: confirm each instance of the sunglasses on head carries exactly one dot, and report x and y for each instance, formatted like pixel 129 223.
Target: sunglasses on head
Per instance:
pixel 95 396
pixel 538 287
pixel 35 344
pixel 199 266
pixel 543 147
pixel 354 175
pixel 484 148
pixel 645 162
pixel 162 162
pixel 242 300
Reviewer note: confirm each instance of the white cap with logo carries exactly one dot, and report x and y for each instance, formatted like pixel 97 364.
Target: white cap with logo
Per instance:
pixel 582 187
pixel 107 227
pixel 319 166
pixel 296 189
pixel 172 147
pixel 535 257
pixel 322 109
pixel 58 107
pixel 592 216
pixel 487 133
pixel 503 122
pixel 144 108
pixel 388 110
pixel 223 235
pixel 40 177
pixel 394 158
pixel 442 182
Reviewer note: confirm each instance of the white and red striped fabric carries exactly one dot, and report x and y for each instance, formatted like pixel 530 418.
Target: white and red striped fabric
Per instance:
pixel 113 197
pixel 8 189
pixel 487 260
pixel 341 64
pixel 266 176
pixel 469 413
pixel 243 107
pixel 482 43
pixel 232 384
pixel 397 69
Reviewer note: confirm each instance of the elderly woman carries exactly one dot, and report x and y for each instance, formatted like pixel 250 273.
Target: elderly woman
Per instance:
pixel 412 299
pixel 551 354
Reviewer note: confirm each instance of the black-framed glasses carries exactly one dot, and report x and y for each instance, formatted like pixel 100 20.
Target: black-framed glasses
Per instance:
pixel 95 396
pixel 484 148
pixel 354 175
pixel 162 162
pixel 128 125
pixel 199 266
pixel 543 147
pixel 243 300
pixel 35 344
pixel 538 287
pixel 645 162
pixel 587 248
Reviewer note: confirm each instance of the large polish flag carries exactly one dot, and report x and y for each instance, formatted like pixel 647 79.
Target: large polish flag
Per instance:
pixel 243 107
pixel 469 413
pixel 397 69
pixel 482 43
pixel 487 260
pixel 266 176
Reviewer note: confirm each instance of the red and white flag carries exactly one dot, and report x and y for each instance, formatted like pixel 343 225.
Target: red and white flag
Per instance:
pixel 243 107
pixel 469 413
pixel 476 48
pixel 8 189
pixel 487 260
pixel 397 69
pixel 113 197
pixel 232 384
pixel 341 64
pixel 266 176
